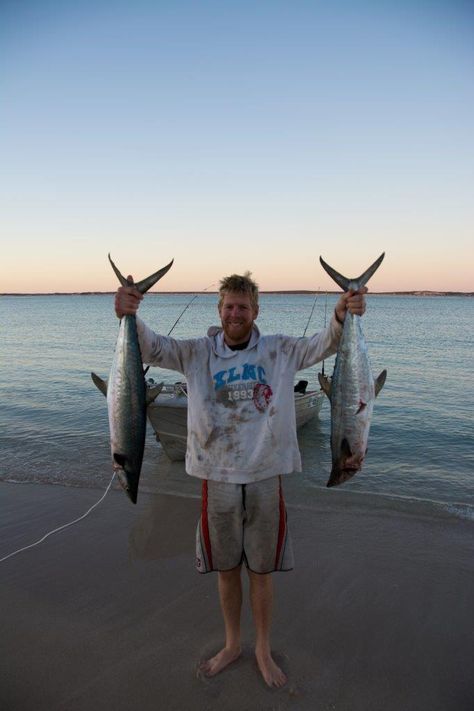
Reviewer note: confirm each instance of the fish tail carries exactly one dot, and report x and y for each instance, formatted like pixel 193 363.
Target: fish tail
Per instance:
pixel 144 284
pixel 354 284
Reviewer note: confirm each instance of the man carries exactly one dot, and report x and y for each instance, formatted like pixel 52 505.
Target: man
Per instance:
pixel 241 439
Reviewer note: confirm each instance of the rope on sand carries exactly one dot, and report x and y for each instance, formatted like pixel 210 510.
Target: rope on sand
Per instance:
pixel 61 528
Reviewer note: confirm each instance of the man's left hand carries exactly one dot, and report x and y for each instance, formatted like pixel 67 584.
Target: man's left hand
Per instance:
pixel 353 301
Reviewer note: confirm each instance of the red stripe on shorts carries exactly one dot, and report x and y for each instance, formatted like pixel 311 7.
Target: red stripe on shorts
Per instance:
pixel 281 529
pixel 205 523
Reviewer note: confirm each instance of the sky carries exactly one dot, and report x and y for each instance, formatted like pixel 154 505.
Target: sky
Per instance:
pixel 234 136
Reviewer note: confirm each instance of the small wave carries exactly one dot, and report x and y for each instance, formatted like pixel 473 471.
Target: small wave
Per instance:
pixel 15 481
pixel 460 511
pixel 375 501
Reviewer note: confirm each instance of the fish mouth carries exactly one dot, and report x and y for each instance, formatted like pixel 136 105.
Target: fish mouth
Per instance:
pixel 127 481
pixel 127 486
pixel 352 467
pixel 342 474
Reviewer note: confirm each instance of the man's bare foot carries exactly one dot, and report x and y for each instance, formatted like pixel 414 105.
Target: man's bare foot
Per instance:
pixel 271 672
pixel 216 664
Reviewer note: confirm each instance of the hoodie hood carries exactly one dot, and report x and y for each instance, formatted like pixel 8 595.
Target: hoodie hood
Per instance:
pixel 216 334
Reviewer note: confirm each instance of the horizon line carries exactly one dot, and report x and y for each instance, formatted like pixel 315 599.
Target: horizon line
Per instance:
pixel 413 292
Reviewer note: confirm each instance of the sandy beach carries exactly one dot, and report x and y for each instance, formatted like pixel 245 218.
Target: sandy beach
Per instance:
pixel 110 613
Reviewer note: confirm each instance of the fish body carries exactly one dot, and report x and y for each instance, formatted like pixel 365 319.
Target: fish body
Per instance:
pixel 128 396
pixel 352 389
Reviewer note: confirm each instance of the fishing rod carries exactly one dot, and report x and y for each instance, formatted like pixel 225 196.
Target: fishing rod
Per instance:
pixel 325 314
pixel 311 314
pixel 182 312
pixel 179 317
pixel 187 306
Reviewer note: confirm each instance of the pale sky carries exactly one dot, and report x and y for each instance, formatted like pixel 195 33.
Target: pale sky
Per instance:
pixel 233 136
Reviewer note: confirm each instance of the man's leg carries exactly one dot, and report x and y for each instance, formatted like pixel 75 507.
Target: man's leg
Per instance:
pixel 261 599
pixel 230 594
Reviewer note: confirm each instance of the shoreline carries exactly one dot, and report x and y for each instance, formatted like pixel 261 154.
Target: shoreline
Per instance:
pixel 325 501
pixel 111 613
pixel 467 294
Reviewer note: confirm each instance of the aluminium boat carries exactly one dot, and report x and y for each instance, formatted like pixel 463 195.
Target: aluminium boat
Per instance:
pixel 168 414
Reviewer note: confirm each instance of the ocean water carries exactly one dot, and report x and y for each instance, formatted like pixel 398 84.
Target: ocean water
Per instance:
pixel 53 421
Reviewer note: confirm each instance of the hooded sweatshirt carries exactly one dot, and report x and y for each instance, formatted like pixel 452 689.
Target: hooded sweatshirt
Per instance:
pixel 241 408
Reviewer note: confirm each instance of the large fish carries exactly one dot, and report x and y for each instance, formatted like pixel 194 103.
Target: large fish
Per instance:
pixel 127 395
pixel 352 388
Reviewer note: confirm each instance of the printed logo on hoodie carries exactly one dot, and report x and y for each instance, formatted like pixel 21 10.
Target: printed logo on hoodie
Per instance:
pixel 245 382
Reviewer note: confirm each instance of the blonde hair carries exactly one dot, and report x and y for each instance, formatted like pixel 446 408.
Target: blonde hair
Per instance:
pixel 239 284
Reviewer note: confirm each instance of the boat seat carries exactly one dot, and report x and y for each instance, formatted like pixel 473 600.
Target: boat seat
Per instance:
pixel 301 386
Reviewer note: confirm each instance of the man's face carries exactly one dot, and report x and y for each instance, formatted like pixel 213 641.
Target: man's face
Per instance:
pixel 237 316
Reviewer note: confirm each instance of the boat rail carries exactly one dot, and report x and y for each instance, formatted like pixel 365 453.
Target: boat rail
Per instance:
pixel 179 388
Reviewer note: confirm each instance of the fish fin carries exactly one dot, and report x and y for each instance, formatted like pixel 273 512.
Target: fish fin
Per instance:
pixel 380 382
pixel 99 383
pixel 144 284
pixel 344 282
pixel 325 384
pixel 153 392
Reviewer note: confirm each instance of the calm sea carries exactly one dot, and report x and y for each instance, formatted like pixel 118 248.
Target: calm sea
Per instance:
pixel 53 421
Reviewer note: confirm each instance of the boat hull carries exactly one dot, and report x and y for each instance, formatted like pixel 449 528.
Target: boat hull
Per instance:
pixel 168 417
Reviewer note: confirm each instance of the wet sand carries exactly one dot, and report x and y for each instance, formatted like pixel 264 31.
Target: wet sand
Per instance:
pixel 110 614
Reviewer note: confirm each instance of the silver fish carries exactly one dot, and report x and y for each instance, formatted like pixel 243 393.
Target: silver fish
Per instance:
pixel 127 395
pixel 352 388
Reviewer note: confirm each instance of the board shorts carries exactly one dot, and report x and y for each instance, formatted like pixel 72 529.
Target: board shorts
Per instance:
pixel 243 523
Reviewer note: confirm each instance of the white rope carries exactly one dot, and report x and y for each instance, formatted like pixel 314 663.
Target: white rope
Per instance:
pixel 66 525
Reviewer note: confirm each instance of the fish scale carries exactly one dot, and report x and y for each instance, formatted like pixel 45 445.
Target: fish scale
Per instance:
pixel 352 389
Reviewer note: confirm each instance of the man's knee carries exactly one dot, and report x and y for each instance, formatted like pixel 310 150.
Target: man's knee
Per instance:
pixel 229 576
pixel 260 581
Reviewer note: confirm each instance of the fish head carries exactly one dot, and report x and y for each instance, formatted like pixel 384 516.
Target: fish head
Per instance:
pixel 127 476
pixel 345 464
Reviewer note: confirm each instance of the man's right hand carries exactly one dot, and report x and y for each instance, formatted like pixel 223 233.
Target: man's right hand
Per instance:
pixel 127 300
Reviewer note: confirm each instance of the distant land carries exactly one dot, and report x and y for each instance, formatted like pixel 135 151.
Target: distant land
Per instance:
pixel 300 291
